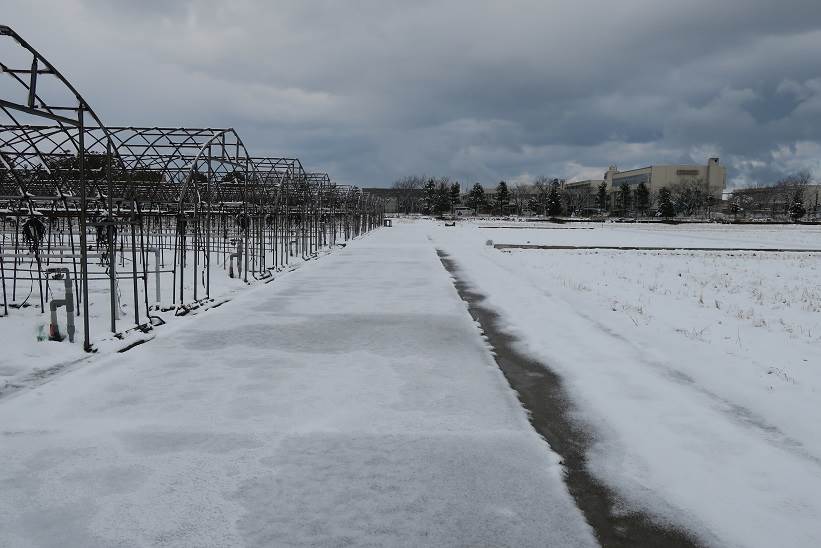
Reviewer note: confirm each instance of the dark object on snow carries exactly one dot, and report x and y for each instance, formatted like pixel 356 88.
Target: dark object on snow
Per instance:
pixel 33 232
pixel 242 222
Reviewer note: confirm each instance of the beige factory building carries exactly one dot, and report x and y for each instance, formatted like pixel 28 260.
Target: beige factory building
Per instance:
pixel 713 176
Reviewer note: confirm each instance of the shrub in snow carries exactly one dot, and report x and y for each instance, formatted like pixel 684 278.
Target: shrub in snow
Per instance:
pixel 666 209
pixel 797 209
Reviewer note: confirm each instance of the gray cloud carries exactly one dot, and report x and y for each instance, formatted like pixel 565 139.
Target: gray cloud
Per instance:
pixel 373 90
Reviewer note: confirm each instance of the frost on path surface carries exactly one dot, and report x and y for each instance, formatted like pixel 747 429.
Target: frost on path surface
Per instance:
pixel 353 403
pixel 28 356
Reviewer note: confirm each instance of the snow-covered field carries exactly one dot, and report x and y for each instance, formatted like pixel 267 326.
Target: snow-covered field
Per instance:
pixel 698 373
pixel 660 235
pixel 354 402
pixel 28 355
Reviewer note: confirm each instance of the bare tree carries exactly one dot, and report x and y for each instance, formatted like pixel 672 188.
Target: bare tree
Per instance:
pixel 789 187
pixel 801 179
pixel 773 200
pixel 579 199
pixel 408 192
pixel 519 195
pixel 689 196
pixel 541 188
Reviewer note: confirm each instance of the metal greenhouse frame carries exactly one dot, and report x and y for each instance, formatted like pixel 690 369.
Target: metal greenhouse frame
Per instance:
pixel 128 207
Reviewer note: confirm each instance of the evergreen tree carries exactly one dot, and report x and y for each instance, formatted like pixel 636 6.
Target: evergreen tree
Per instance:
pixel 442 204
pixel 429 193
pixel 642 198
pixel 455 196
pixel 624 197
pixel 666 208
pixel 797 209
pixel 502 197
pixel 476 198
pixel 533 204
pixel 602 196
pixel 554 201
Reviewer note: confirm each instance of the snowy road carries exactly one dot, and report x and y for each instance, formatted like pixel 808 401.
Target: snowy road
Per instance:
pixel 352 402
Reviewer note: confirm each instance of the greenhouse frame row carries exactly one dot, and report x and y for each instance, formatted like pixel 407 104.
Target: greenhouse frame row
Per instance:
pixel 127 221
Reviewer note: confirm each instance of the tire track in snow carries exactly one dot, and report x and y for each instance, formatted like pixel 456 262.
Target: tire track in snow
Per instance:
pixel 737 413
pixel 550 410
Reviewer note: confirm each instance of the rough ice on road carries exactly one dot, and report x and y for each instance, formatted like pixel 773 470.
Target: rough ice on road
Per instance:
pixel 351 402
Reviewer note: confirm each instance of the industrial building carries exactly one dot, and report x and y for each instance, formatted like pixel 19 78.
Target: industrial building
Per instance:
pixel 579 197
pixel 712 175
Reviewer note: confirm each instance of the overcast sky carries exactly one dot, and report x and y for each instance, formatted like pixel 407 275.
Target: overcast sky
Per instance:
pixel 481 91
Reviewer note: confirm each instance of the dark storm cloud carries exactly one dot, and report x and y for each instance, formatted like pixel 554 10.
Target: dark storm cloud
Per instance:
pixel 479 90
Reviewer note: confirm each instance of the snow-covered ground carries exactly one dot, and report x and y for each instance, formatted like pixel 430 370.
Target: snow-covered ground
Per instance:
pixel 27 354
pixel 660 235
pixel 698 373
pixel 352 402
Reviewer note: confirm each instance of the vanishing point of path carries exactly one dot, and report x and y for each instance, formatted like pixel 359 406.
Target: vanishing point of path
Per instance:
pixel 352 402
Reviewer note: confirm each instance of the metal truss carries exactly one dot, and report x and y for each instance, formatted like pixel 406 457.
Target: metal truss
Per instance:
pixel 110 203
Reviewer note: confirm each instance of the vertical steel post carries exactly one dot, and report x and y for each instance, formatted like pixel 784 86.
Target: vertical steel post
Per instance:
pixel 208 224
pixel 3 280
pixel 134 265
pixel 196 242
pixel 112 274
pixel 83 243
pixel 247 218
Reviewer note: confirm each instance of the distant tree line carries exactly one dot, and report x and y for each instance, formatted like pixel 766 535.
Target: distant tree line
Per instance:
pixel 551 197
pixel 789 198
pixel 439 195
pixel 429 195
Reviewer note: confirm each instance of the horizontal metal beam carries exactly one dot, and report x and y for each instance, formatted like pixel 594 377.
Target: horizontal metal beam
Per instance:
pixel 38 112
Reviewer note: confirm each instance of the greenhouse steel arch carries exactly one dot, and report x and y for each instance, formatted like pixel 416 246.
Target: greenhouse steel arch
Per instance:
pixel 38 91
pixel 104 204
